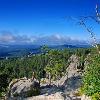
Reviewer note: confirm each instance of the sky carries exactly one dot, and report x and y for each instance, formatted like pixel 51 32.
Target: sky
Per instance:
pixel 42 21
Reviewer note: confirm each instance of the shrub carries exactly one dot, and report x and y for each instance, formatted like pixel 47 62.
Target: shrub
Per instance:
pixel 3 83
pixel 96 96
pixel 33 92
pixel 91 79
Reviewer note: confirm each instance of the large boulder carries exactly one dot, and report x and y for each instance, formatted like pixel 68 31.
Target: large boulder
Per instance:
pixel 23 88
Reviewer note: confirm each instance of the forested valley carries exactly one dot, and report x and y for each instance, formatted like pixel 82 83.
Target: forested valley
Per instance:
pixel 55 62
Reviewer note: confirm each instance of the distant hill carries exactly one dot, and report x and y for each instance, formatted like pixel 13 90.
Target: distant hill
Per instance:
pixel 69 46
pixel 17 50
pixel 21 50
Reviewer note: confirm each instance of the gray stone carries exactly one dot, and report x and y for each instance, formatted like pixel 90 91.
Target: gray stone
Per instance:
pixel 23 88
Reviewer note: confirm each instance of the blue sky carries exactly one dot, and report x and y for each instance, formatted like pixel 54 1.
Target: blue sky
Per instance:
pixel 43 18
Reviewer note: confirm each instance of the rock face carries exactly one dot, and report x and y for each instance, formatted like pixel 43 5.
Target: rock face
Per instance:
pixel 23 88
pixel 56 96
pixel 73 81
pixel 72 74
pixel 68 84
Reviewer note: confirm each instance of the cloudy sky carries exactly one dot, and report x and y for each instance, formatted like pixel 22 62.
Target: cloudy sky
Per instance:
pixel 45 21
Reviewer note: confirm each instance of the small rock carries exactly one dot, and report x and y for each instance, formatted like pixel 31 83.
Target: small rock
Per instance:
pixel 84 97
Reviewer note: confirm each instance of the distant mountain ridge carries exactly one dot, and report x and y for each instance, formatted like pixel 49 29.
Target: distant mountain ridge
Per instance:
pixel 21 50
pixel 70 46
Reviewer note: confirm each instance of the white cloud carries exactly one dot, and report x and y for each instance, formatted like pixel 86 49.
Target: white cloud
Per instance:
pixel 6 37
pixel 9 37
pixel 56 39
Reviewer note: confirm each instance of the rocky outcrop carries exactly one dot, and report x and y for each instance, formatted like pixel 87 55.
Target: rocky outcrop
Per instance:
pixel 63 89
pixel 56 96
pixel 23 88
pixel 68 84
pixel 73 81
pixel 72 75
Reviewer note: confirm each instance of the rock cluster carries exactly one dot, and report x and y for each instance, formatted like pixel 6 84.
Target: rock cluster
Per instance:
pixel 23 88
pixel 63 89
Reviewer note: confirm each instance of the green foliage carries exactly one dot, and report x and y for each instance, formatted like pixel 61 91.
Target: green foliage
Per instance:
pixel 57 63
pixel 15 94
pixel 54 61
pixel 45 49
pixel 3 82
pixel 82 54
pixel 33 92
pixel 91 79
pixel 96 96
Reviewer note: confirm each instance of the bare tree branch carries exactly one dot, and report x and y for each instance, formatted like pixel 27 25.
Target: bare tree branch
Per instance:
pixel 82 21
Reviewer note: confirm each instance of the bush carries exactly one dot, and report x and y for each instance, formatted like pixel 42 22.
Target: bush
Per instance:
pixel 96 96
pixel 3 83
pixel 91 79
pixel 33 92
